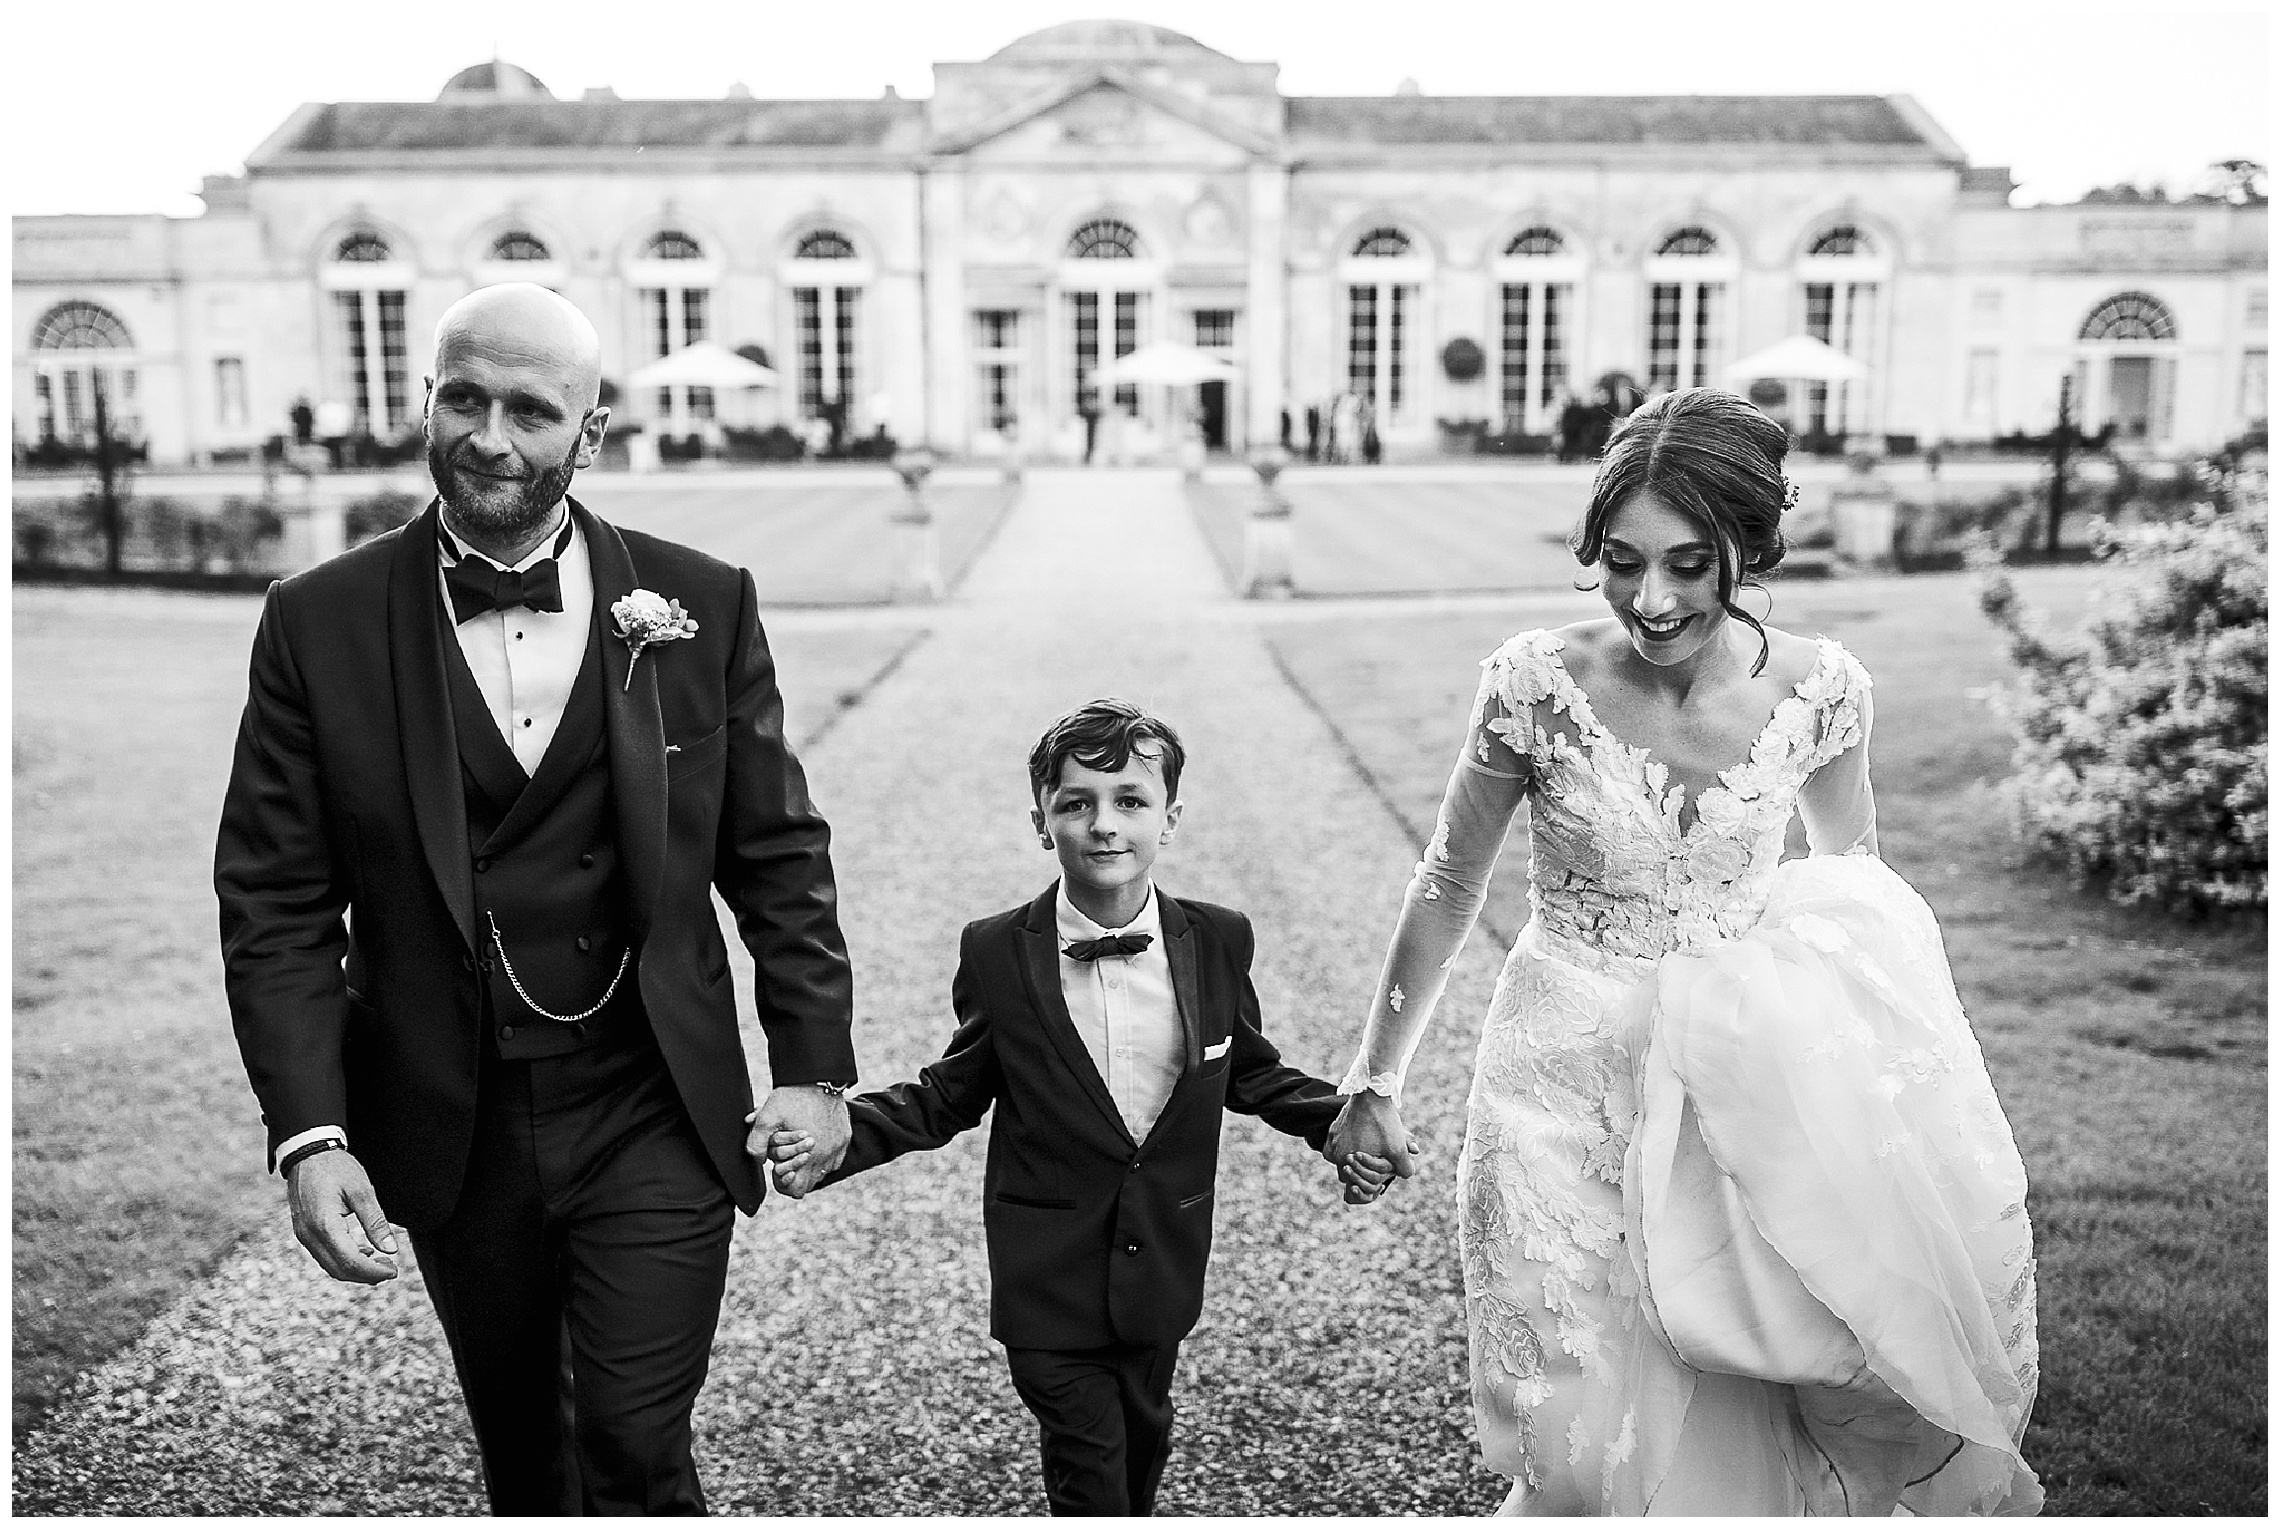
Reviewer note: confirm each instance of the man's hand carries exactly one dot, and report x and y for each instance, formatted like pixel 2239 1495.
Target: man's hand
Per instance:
pixel 1370 1127
pixel 337 1218
pixel 814 1132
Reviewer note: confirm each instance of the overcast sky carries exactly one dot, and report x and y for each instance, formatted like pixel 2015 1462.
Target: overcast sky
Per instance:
pixel 124 107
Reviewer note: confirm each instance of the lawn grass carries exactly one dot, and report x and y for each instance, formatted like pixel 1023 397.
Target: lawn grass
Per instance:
pixel 806 544
pixel 2129 1050
pixel 137 1143
pixel 1362 537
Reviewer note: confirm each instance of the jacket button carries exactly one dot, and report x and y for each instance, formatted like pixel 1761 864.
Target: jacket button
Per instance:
pixel 1132 1250
pixel 1133 1166
pixel 467 961
pixel 584 943
pixel 483 864
pixel 586 861
pixel 506 1032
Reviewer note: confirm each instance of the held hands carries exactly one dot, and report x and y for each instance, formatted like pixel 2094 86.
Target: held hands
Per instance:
pixel 1371 1147
pixel 802 1133
pixel 337 1218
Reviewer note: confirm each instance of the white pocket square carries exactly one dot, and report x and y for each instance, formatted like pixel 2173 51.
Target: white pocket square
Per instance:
pixel 1214 1053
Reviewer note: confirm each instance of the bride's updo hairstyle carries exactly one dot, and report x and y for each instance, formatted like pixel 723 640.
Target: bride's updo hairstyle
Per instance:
pixel 1712 457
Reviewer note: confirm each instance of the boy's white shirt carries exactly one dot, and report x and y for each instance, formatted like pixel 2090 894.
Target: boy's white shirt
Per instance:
pixel 1125 1010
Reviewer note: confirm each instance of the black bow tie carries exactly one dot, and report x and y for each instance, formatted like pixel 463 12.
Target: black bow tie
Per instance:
pixel 1107 945
pixel 477 586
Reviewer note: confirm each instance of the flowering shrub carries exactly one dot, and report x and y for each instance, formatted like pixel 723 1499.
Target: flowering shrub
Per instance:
pixel 2141 756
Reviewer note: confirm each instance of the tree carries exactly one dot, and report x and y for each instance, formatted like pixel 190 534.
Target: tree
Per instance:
pixel 2242 182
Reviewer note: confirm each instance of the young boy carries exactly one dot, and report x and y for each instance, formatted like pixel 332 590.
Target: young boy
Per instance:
pixel 1111 1025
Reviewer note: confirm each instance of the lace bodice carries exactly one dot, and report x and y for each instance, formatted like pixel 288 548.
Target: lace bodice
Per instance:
pixel 1620 873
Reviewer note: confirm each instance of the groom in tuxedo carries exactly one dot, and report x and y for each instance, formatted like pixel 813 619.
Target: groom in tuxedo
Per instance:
pixel 492 767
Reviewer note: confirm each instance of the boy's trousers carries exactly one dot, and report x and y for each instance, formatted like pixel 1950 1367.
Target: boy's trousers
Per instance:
pixel 1105 1415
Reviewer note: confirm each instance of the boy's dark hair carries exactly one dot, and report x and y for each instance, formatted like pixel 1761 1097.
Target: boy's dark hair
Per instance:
pixel 1100 735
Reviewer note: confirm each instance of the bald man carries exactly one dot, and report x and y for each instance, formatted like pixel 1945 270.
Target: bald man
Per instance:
pixel 465 869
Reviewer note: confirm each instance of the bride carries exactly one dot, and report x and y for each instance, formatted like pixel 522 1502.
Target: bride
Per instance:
pixel 1742 1224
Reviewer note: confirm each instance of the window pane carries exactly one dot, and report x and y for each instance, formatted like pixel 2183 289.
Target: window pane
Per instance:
pixel 1084 314
pixel 807 328
pixel 1127 340
pixel 1513 371
pixel 348 307
pixel 1662 337
pixel 395 372
pixel 1555 345
pixel 844 300
pixel 229 390
pixel 1396 348
pixel 1361 339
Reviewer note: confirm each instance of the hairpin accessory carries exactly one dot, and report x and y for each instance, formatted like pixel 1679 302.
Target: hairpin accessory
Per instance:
pixel 1788 494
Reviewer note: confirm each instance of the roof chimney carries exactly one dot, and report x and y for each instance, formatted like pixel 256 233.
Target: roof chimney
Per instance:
pixel 1408 87
pixel 599 93
pixel 740 91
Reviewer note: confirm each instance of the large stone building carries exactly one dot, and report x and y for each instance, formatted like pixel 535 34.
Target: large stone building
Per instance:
pixel 953 268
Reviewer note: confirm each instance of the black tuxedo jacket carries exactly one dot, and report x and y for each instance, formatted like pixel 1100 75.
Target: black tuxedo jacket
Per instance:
pixel 1093 1238
pixel 347 901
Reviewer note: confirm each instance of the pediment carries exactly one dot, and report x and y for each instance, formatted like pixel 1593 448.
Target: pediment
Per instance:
pixel 1107 113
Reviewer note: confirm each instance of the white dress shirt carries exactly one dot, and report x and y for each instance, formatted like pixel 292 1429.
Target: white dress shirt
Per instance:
pixel 524 662
pixel 1125 1010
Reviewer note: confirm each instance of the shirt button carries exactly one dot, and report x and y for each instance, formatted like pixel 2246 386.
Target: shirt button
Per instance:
pixel 518 637
pixel 506 1032
pixel 586 861
pixel 585 943
pixel 483 864
pixel 526 721
pixel 1133 1166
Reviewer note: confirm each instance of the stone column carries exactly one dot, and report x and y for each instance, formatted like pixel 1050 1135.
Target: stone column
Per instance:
pixel 944 240
pixel 1266 357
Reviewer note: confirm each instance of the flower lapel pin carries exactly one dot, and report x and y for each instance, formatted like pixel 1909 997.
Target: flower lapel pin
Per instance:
pixel 645 618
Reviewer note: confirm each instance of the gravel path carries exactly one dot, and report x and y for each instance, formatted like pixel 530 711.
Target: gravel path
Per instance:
pixel 853 1373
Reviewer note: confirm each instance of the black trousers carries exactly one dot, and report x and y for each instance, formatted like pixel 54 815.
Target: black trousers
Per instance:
pixel 579 1281
pixel 1105 1419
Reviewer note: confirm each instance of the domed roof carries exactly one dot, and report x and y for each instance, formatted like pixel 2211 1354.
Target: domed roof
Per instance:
pixel 1101 39
pixel 498 79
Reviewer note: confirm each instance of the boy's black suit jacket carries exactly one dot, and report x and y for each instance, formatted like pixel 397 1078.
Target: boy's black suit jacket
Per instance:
pixel 349 939
pixel 1093 1238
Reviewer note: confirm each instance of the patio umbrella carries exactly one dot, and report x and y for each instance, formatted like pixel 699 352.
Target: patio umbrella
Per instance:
pixel 1166 361
pixel 1800 358
pixel 703 365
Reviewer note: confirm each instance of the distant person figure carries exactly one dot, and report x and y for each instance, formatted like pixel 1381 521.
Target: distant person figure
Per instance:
pixel 333 421
pixel 1091 414
pixel 1345 425
pixel 1284 438
pixel 834 414
pixel 1313 432
pixel 1366 417
pixel 1932 462
pixel 1574 428
pixel 304 420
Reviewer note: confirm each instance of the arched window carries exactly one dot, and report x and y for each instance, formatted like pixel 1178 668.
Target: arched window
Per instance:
pixel 2129 316
pixel 825 244
pixel 517 244
pixel 77 348
pixel 364 248
pixel 80 326
pixel 1687 278
pixel 672 244
pixel 1104 239
pixel 1844 239
pixel 1537 241
pixel 1382 244
pixel 1535 323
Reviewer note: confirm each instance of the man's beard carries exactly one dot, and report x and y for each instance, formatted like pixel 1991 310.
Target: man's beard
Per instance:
pixel 509 512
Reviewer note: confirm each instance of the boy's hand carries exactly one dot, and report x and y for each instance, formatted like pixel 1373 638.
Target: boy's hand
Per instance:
pixel 1372 1124
pixel 789 1155
pixel 1365 1178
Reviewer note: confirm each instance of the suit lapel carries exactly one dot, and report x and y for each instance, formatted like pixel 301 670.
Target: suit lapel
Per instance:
pixel 1187 988
pixel 424 730
pixel 636 726
pixel 1041 969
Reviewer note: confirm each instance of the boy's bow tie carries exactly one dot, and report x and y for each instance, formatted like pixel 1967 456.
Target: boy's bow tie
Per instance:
pixel 477 587
pixel 1107 945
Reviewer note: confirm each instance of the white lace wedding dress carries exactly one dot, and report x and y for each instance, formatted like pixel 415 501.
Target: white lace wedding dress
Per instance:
pixel 1743 1226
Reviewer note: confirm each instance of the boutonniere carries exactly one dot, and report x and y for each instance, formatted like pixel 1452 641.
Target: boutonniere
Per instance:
pixel 644 618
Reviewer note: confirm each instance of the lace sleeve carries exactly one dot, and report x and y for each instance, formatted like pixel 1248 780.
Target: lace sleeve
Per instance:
pixel 1837 802
pixel 1445 893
